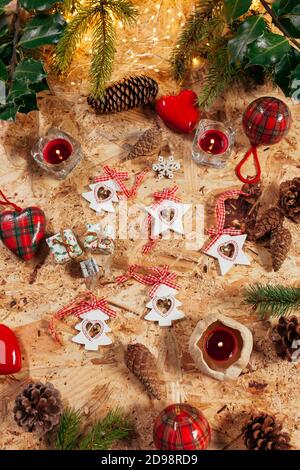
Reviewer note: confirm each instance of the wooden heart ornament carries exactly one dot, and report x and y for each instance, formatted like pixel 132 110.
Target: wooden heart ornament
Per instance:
pixel 229 250
pixel 103 193
pixel 22 230
pixel 164 305
pixel 92 329
pixel 180 112
pixel 10 354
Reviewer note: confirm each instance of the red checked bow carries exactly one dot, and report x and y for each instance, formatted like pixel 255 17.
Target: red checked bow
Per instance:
pixel 159 197
pixel 158 276
pixel 221 215
pixel 119 177
pixel 82 304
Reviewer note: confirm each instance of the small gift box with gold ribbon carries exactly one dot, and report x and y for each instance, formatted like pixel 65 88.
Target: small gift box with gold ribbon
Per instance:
pixel 98 239
pixel 64 246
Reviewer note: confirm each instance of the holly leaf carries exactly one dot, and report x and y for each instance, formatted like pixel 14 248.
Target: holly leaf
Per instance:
pixel 30 70
pixel 3 72
pixel 3 26
pixel 41 30
pixel 268 49
pixel 249 30
pixel 233 9
pixel 39 5
pixel 295 84
pixel 283 70
pixel 8 112
pixel 3 3
pixel 288 12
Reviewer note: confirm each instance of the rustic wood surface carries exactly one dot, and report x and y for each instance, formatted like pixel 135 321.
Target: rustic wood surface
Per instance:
pixel 31 292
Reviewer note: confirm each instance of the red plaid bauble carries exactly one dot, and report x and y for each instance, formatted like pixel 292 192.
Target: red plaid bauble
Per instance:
pixel 181 427
pixel 21 231
pixel 266 121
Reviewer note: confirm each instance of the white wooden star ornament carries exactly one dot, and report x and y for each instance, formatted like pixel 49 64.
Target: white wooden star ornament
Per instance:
pixel 228 250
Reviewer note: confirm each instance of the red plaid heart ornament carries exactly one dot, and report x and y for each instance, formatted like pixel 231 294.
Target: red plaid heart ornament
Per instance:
pixel 22 230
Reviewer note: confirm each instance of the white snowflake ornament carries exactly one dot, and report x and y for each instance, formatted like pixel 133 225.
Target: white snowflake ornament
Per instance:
pixel 163 306
pixel 92 330
pixel 102 195
pixel 166 167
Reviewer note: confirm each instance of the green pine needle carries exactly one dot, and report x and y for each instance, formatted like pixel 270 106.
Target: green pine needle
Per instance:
pixel 113 427
pixel 69 430
pixel 273 300
pixel 97 16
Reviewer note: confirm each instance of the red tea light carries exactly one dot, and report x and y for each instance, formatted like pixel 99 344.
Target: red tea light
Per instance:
pixel 57 151
pixel 214 142
pixel 221 345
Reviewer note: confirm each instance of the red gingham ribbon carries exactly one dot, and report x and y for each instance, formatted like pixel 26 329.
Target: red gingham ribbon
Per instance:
pixel 82 304
pixel 159 275
pixel 7 202
pixel 220 215
pixel 159 197
pixel 119 177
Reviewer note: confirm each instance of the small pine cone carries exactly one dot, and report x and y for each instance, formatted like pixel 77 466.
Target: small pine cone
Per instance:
pixel 270 220
pixel 38 408
pixel 286 332
pixel 126 94
pixel 263 432
pixel 281 240
pixel 289 199
pixel 148 141
pixel 141 362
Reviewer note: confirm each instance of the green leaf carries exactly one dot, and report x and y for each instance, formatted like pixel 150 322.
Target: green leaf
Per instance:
pixel 233 9
pixel 267 49
pixel 288 12
pixel 3 3
pixel 295 84
pixel 8 112
pixel 38 5
pixel 283 70
pixel 30 70
pixel 249 30
pixel 3 26
pixel 41 30
pixel 3 72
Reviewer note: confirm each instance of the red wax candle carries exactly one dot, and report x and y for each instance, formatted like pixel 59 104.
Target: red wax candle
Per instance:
pixel 221 344
pixel 214 142
pixel 57 151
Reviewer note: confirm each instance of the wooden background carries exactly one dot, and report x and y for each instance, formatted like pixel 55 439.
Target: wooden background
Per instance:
pixel 31 292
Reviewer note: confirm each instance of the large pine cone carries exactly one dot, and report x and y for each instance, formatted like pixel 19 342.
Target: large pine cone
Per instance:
pixel 263 433
pixel 38 408
pixel 141 362
pixel 270 220
pixel 280 244
pixel 289 199
pixel 286 332
pixel 126 94
pixel 149 140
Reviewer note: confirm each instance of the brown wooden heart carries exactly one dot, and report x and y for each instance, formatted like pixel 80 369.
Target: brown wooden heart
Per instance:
pixel 103 193
pixel 229 250
pixel 164 305
pixel 168 215
pixel 92 329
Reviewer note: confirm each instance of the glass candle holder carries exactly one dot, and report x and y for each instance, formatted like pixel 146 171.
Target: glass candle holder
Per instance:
pixel 213 143
pixel 57 153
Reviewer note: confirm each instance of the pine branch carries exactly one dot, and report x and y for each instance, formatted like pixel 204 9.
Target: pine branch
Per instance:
pixel 200 25
pixel 219 72
pixel 273 300
pixel 69 430
pixel 86 16
pixel 104 433
pixel 123 10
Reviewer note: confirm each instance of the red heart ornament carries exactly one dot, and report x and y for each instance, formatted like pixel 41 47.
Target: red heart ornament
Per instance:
pixel 10 354
pixel 179 112
pixel 22 231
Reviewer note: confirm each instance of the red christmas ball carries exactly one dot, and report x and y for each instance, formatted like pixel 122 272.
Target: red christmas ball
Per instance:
pixel 181 427
pixel 266 120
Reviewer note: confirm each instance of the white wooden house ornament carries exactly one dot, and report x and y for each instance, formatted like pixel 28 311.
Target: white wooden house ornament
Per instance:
pixel 93 330
pixel 164 306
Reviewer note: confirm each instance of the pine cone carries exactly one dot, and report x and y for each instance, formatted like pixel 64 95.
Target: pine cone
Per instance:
pixel 286 332
pixel 126 94
pixel 263 433
pixel 141 362
pixel 289 199
pixel 148 141
pixel 281 240
pixel 270 220
pixel 38 408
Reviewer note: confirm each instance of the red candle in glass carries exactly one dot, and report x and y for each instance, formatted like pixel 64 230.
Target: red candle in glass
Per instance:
pixel 57 151
pixel 214 142
pixel 221 344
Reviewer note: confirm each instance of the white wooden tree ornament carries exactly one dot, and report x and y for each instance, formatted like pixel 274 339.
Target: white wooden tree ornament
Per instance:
pixel 93 330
